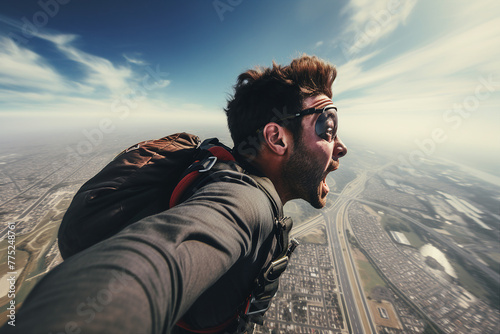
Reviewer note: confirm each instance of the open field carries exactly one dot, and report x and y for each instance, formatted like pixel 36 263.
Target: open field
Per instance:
pixel 368 274
pixel 317 235
pixel 392 320
pixel 468 281
pixel 391 223
pixel 30 259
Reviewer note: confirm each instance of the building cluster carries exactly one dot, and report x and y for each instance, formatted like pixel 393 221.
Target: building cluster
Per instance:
pixel 393 196
pixel 443 302
pixel 33 184
pixel 308 300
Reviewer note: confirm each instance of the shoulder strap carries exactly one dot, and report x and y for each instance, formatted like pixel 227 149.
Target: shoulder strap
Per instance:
pixel 209 152
pixel 266 284
pixel 267 187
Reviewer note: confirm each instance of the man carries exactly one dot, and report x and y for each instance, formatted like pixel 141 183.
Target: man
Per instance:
pixel 197 262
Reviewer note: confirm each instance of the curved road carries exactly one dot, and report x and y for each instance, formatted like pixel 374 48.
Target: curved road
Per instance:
pixel 355 304
pixel 351 291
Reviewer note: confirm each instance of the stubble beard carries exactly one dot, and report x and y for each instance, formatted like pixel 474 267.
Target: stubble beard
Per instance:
pixel 304 177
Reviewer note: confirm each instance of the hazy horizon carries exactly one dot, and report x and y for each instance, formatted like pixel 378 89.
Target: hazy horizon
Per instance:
pixel 415 78
pixel 73 135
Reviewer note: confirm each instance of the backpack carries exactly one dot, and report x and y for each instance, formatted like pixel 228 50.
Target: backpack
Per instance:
pixel 150 177
pixel 137 183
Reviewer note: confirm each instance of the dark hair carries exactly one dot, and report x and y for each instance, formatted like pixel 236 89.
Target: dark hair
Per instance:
pixel 313 75
pixel 264 95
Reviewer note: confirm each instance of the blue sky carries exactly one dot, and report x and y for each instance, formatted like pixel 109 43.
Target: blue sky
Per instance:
pixel 418 75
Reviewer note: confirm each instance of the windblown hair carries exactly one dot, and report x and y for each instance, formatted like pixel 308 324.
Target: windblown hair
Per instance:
pixel 313 75
pixel 264 95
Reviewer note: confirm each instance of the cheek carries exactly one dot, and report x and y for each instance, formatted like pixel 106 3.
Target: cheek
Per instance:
pixel 324 153
pixel 320 150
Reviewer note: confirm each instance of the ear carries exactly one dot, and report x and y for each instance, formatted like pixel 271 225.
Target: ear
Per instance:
pixel 276 138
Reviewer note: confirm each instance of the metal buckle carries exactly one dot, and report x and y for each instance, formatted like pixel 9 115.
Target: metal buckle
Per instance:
pixel 211 163
pixel 259 307
pixel 276 268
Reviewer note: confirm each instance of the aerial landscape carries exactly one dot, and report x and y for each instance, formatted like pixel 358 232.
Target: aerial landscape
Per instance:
pixel 409 238
pixel 417 256
pixel 397 249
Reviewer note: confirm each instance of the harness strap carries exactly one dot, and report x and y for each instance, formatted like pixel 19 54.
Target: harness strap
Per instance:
pixel 267 282
pixel 221 153
pixel 208 156
pixel 181 187
pixel 215 329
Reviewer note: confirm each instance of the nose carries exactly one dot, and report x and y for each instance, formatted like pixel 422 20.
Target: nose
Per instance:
pixel 339 150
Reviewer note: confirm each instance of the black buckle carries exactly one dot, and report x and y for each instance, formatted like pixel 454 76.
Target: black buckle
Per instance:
pixel 258 306
pixel 291 246
pixel 284 226
pixel 276 269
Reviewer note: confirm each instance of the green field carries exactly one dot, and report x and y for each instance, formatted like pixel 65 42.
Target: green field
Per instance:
pixel 390 223
pixel 316 236
pixel 469 282
pixel 369 277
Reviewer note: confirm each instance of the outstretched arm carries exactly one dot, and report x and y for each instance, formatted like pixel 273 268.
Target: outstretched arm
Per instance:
pixel 143 279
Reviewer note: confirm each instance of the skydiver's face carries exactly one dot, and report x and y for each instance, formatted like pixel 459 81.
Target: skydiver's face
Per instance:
pixel 313 158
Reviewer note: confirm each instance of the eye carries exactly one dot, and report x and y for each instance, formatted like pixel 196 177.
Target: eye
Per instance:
pixel 329 134
pixel 326 126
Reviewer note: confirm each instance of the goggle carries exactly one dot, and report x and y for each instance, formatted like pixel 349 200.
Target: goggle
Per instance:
pixel 326 124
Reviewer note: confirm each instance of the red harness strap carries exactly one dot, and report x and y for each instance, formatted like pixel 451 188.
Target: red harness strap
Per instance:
pixel 216 329
pixel 181 187
pixel 221 154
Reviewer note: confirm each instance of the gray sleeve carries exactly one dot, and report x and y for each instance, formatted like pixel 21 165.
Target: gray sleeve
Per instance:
pixel 143 279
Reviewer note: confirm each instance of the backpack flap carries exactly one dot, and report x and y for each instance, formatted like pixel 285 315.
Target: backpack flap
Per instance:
pixel 137 183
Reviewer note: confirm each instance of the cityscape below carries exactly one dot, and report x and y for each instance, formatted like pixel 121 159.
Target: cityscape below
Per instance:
pixel 399 247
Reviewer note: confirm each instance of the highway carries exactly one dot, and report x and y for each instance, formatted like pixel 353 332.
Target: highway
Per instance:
pixel 336 218
pixel 358 314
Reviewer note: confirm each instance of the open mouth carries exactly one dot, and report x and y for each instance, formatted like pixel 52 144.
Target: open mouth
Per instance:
pixel 324 187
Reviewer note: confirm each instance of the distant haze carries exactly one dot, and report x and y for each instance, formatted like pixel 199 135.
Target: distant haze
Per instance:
pixel 418 78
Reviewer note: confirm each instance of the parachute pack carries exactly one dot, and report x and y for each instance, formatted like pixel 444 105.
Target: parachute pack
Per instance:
pixel 153 176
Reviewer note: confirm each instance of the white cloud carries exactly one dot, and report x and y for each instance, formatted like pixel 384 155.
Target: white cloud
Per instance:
pixel 21 67
pixel 57 39
pixel 28 83
pixel 100 71
pixel 370 21
pixel 134 59
pixel 36 97
pixel 400 101
pixel 440 70
pixel 26 69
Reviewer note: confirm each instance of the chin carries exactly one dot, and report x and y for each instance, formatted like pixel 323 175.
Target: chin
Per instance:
pixel 320 205
pixel 318 201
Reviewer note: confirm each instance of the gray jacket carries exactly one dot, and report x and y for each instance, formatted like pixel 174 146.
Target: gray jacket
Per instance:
pixel 197 260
